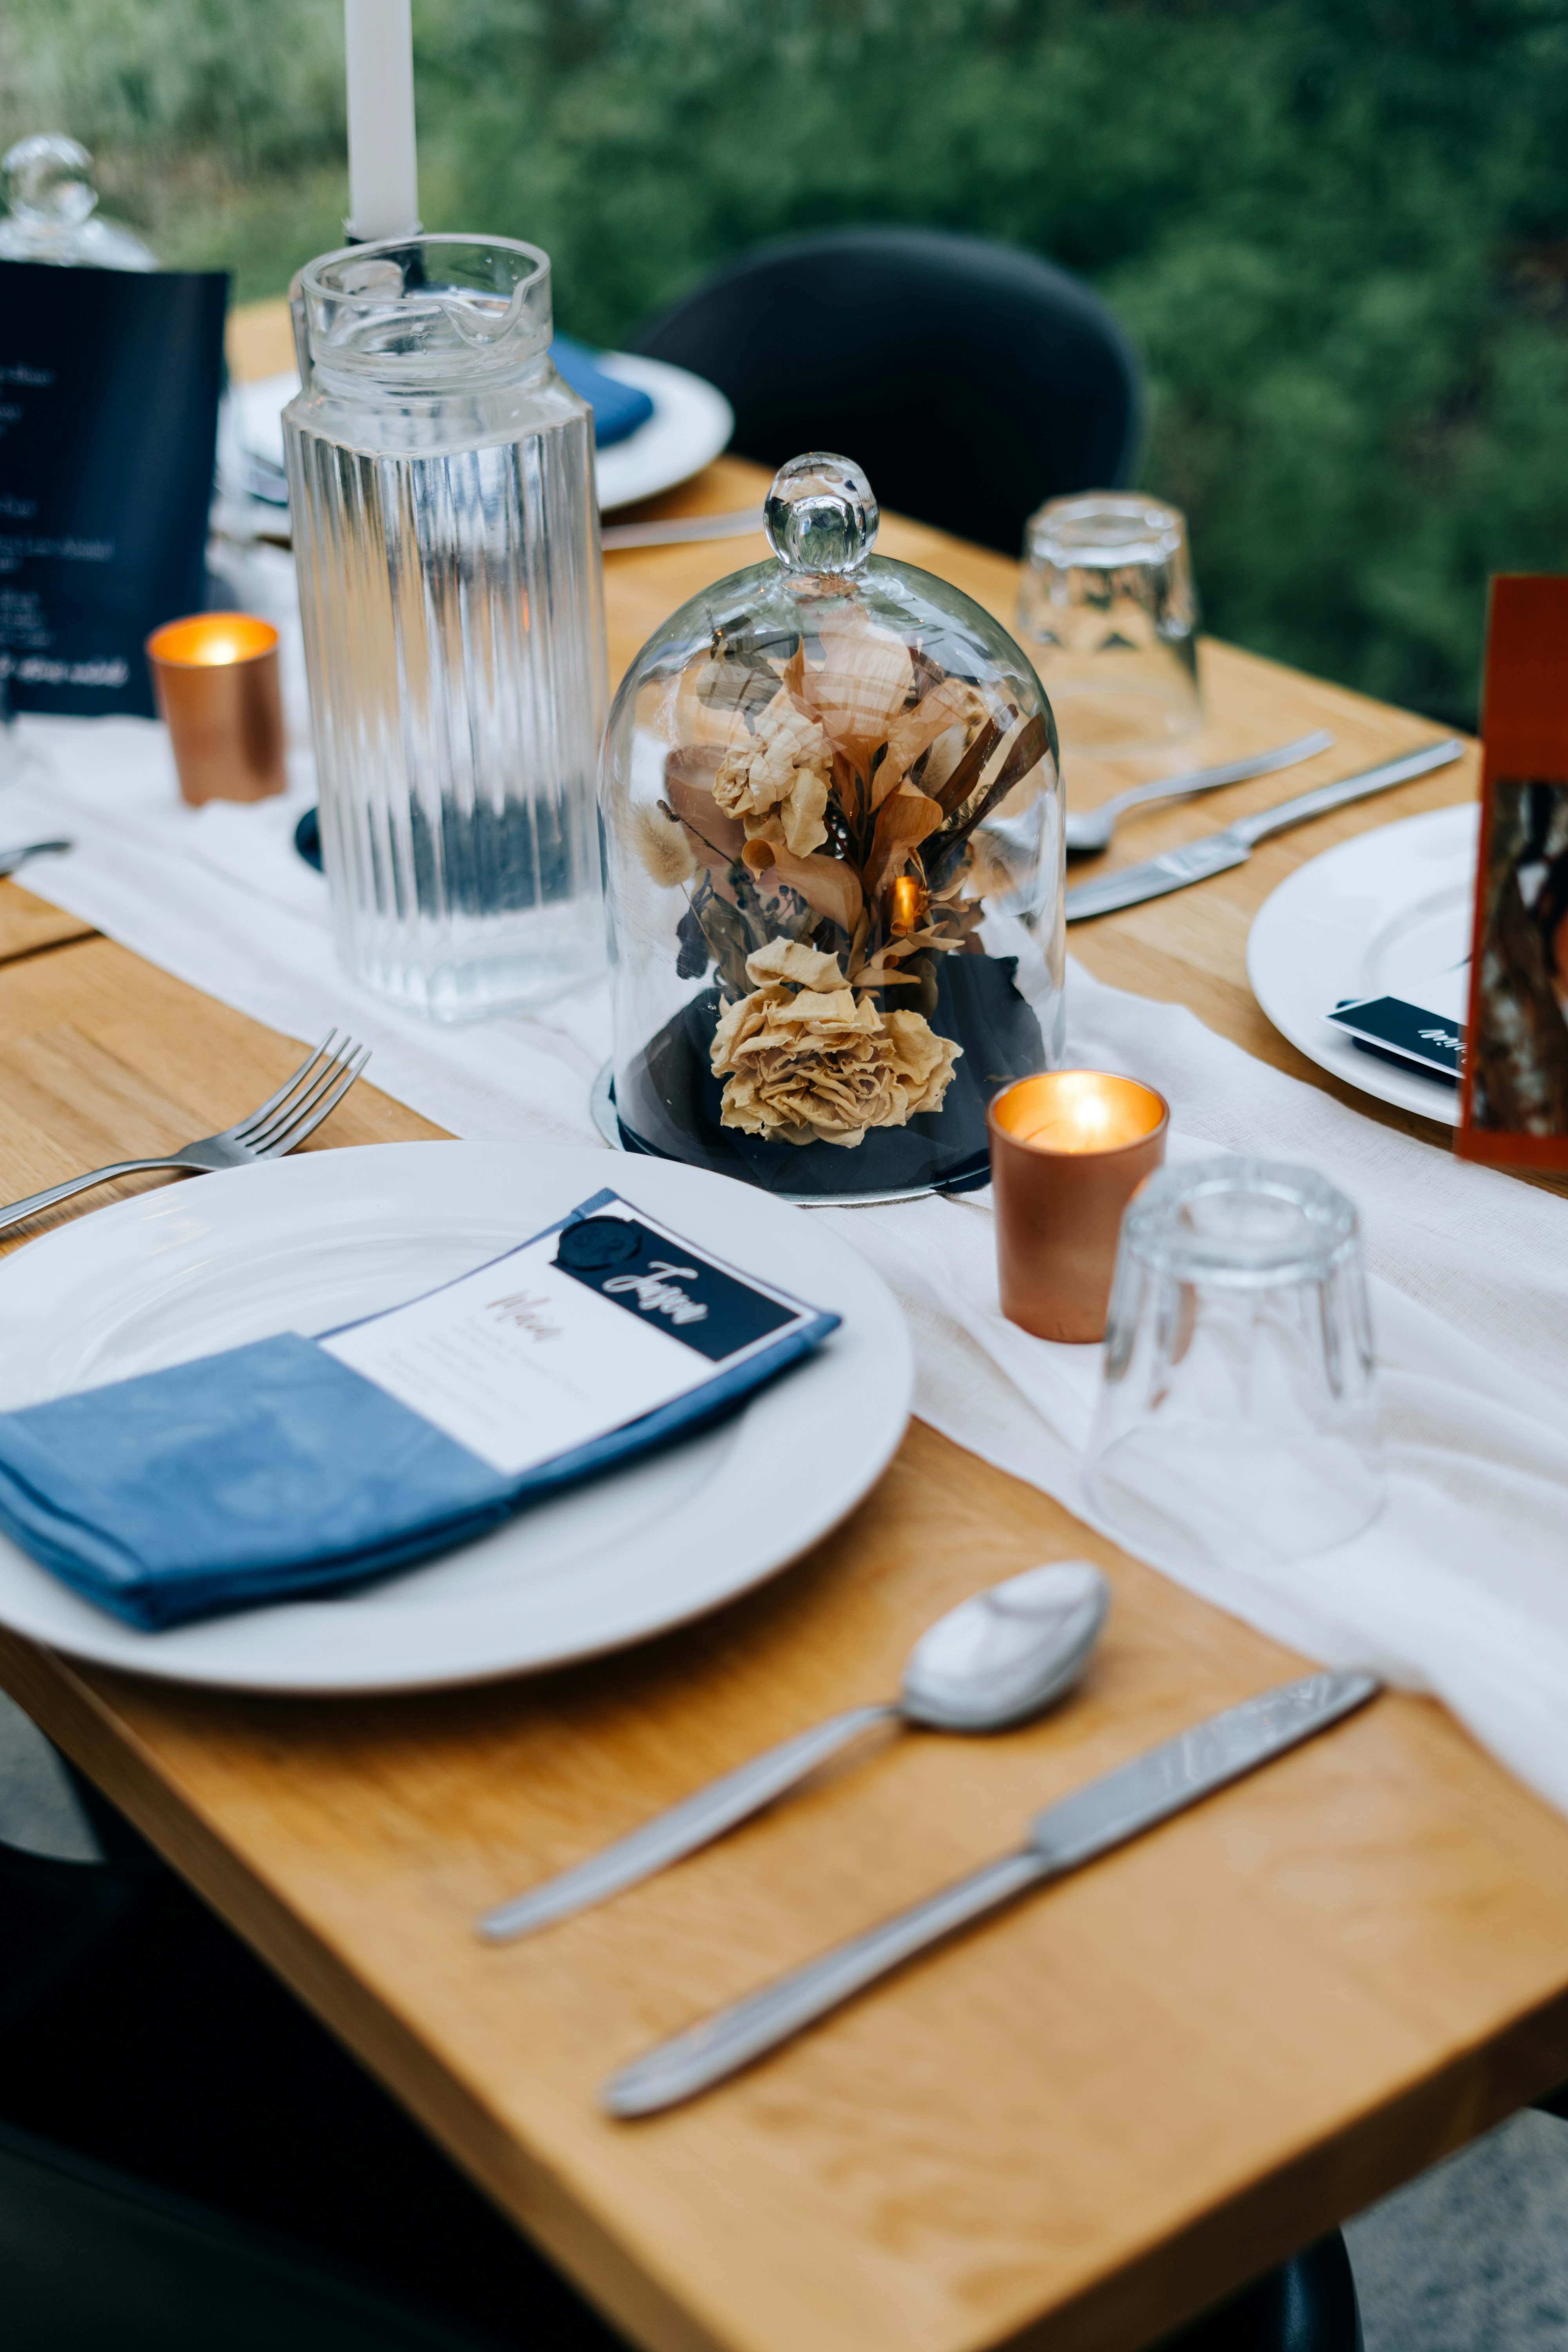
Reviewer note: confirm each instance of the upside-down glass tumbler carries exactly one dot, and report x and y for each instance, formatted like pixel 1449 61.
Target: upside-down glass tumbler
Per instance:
pixel 1238 1418
pixel 441 495
pixel 1109 611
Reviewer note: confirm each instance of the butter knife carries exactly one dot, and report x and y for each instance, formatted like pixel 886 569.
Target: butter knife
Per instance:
pixel 1194 861
pixel 1076 1830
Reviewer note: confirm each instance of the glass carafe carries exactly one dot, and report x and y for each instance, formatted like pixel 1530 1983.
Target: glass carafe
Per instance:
pixel 446 535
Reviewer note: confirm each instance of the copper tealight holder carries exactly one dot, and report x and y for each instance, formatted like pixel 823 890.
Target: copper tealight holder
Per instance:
pixel 1068 1149
pixel 215 678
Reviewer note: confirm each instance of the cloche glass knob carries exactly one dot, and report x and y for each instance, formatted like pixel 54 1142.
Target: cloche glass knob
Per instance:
pixel 820 514
pixel 50 178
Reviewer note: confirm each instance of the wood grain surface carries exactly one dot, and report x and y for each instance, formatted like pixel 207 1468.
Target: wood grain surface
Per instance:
pixel 1072 2129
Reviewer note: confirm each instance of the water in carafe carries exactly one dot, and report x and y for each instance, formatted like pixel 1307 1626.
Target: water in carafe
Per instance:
pixel 441 491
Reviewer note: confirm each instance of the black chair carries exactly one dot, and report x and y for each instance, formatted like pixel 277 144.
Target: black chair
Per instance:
pixel 187 2159
pixel 90 2258
pixel 61 1895
pixel 1308 2305
pixel 969 380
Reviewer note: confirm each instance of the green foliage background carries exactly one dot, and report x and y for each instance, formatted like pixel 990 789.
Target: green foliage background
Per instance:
pixel 1337 229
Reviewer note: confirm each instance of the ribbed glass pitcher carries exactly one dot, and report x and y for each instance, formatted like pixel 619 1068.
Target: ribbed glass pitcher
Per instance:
pixel 447 536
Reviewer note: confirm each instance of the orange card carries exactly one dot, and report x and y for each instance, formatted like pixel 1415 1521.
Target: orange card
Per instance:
pixel 1514 1104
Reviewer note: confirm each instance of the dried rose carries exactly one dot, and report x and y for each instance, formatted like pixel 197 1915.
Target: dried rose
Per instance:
pixel 816 1064
pixel 776 781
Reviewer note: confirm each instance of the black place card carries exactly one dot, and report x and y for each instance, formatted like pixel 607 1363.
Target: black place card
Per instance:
pixel 109 381
pixel 703 1306
pixel 1410 1034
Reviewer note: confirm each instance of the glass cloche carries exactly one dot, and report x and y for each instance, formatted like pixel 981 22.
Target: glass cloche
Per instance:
pixel 832 812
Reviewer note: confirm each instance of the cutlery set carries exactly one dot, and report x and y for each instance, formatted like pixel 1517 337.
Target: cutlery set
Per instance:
pixel 1088 830
pixel 1001 1658
pixel 1195 861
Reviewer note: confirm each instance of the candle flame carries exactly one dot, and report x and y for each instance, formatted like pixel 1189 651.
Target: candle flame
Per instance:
pixel 212 640
pixel 1079 1110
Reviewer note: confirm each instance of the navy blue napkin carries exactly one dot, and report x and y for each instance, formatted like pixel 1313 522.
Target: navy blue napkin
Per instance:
pixel 273 1471
pixel 618 408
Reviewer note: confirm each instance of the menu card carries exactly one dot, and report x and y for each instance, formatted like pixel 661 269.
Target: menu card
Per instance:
pixel 109 393
pixel 1514 1099
pixel 582 1330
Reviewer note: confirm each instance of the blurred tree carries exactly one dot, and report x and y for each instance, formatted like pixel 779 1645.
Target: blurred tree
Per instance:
pixel 1339 228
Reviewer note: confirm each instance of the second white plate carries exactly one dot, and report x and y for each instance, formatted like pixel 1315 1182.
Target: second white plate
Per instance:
pixel 691 426
pixel 1377 916
pixel 304 1244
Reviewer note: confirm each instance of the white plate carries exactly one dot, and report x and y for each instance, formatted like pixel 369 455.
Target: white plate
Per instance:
pixel 691 426
pixel 305 1243
pixel 1376 917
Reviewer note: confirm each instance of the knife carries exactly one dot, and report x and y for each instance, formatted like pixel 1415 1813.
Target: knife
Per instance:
pixel 1077 1829
pixel 1194 861
pixel 679 530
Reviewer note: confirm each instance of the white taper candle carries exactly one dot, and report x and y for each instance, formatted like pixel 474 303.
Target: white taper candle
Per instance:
pixel 384 177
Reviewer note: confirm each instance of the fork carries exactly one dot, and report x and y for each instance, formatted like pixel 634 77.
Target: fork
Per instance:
pixel 283 1120
pixel 1088 830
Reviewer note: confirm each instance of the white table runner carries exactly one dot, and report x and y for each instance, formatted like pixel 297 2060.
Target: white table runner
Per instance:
pixel 1460 1587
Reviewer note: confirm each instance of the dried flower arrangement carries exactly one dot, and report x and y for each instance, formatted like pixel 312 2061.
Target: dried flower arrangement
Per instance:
pixel 821 817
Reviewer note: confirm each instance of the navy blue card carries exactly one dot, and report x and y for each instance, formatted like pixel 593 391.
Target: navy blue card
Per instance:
pixel 109 393
pixel 1397 1030
pixel 697 1302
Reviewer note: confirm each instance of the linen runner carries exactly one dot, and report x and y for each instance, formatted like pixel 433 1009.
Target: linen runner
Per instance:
pixel 1460 1587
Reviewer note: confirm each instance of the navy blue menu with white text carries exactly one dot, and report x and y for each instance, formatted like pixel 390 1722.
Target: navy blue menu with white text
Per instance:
pixel 109 394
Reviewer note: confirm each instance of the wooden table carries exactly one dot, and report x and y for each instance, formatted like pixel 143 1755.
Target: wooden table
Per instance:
pixel 1074 2127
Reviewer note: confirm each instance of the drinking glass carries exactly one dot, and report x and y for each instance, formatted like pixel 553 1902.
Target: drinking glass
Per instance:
pixel 1107 604
pixel 446 530
pixel 1237 1417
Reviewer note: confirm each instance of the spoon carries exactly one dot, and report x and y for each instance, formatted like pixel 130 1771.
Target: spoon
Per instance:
pixel 1089 831
pixel 1000 1658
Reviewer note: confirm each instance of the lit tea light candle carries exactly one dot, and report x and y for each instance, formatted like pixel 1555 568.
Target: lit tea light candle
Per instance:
pixel 211 640
pixel 215 676
pixel 1068 1149
pixel 1079 1110
pixel 908 906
